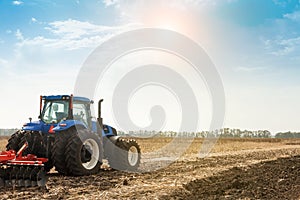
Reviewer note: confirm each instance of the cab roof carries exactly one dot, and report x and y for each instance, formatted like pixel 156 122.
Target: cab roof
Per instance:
pixel 63 97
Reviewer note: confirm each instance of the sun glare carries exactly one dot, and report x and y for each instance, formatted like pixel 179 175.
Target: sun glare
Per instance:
pixel 189 23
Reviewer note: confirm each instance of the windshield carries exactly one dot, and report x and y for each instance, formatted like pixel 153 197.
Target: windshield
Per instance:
pixel 55 111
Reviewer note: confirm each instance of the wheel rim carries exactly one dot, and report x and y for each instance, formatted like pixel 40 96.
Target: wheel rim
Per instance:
pixel 93 146
pixel 133 155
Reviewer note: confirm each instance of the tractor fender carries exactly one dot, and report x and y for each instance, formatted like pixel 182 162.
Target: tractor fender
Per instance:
pixel 66 124
pixel 108 131
pixel 32 126
pixel 114 139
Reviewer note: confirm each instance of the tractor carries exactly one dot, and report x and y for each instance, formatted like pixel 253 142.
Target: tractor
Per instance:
pixel 71 141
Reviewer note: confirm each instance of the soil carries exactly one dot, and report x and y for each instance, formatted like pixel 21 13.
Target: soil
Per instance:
pixel 251 170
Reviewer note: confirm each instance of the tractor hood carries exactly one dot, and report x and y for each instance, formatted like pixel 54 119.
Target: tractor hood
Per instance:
pixel 66 124
pixel 39 126
pixel 32 126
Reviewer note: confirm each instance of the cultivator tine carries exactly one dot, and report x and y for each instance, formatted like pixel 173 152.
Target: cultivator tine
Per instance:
pixel 20 177
pixel 41 178
pixel 26 177
pixel 33 176
pixel 2 180
pixel 13 176
pixel 7 177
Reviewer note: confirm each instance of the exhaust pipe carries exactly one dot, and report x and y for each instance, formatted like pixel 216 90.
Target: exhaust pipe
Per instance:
pixel 100 120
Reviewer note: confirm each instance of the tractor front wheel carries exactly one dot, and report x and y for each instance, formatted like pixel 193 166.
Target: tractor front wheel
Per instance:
pixel 84 153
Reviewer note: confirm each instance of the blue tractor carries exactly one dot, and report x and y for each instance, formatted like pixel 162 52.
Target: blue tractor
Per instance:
pixel 74 143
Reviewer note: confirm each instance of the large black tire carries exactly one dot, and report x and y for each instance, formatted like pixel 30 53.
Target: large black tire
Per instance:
pixel 84 153
pixel 36 146
pixel 59 148
pixel 14 140
pixel 126 155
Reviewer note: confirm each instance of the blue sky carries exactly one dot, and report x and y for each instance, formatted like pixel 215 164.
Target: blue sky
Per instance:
pixel 255 45
pixel 256 12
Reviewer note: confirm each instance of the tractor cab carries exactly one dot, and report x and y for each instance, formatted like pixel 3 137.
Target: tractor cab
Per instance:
pixel 61 108
pixel 60 112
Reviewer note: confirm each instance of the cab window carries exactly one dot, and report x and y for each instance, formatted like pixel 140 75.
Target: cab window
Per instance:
pixel 81 112
pixel 55 111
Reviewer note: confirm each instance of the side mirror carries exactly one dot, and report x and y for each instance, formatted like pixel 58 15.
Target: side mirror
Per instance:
pixel 30 119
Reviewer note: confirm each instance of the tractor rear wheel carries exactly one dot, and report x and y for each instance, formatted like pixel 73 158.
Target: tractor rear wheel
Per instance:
pixel 35 143
pixel 14 140
pixel 126 155
pixel 58 150
pixel 36 146
pixel 83 153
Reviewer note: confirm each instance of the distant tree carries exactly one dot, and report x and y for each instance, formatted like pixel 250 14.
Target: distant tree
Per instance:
pixel 267 134
pixel 288 134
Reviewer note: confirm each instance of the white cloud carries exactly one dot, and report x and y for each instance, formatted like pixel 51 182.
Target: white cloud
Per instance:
pixel 295 16
pixel 19 35
pixel 17 3
pixel 36 54
pixel 110 2
pixel 74 29
pixel 3 62
pixel 250 69
pixel 182 3
pixel 41 54
pixel 282 36
pixel 73 34
pixel 64 43
pixel 33 19
pixel 280 3
pixel 283 46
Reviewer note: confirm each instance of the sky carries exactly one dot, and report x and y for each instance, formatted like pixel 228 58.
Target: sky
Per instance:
pixel 254 44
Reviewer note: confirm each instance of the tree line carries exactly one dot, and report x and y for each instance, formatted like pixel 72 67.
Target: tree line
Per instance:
pixel 223 133
pixel 288 134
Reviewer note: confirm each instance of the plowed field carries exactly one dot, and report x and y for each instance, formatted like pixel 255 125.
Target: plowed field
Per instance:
pixel 235 169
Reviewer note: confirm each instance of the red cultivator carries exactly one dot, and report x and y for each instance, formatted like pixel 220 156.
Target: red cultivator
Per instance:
pixel 17 170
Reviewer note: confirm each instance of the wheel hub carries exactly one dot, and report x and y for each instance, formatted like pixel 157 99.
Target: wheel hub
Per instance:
pixel 133 155
pixel 90 154
pixel 86 153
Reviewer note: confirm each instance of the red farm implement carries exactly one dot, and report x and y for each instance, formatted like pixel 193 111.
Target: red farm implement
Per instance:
pixel 17 170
